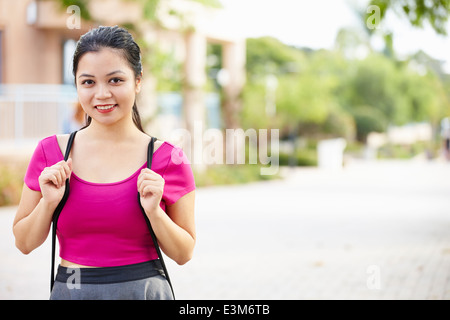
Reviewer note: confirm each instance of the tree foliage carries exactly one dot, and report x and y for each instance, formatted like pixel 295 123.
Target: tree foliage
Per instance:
pixel 417 12
pixel 326 93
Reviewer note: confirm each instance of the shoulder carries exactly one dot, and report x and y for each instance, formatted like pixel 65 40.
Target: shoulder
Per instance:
pixel 170 151
pixel 165 147
pixel 176 170
pixel 48 146
pixel 47 153
pixel 48 140
pixel 61 141
pixel 158 144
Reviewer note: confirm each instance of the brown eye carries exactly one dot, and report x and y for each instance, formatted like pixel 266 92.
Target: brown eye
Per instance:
pixel 116 80
pixel 87 82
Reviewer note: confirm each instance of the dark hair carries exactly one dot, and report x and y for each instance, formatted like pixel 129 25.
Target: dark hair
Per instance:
pixel 115 38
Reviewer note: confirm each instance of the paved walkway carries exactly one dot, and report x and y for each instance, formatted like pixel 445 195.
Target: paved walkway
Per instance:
pixel 371 231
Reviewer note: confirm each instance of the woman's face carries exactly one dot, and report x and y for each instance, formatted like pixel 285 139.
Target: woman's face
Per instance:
pixel 106 86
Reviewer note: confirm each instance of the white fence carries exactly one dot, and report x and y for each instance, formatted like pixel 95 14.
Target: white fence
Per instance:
pixel 32 111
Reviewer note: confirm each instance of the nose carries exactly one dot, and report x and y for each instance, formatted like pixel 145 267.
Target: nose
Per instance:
pixel 102 92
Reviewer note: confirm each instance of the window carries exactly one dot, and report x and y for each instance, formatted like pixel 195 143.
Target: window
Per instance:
pixel 68 50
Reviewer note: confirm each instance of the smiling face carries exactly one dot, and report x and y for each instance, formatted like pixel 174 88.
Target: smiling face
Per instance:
pixel 106 86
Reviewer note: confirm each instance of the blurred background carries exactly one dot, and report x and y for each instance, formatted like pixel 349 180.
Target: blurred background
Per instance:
pixel 339 79
pixel 344 82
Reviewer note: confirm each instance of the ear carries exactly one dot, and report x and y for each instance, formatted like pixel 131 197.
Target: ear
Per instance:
pixel 138 83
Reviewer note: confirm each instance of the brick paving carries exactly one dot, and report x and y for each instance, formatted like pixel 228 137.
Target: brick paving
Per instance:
pixel 375 230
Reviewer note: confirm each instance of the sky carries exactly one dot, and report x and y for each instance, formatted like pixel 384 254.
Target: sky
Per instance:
pixel 315 23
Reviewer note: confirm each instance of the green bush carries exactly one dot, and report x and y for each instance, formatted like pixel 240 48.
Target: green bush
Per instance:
pixel 397 151
pixel 230 174
pixel 368 119
pixel 11 183
pixel 302 157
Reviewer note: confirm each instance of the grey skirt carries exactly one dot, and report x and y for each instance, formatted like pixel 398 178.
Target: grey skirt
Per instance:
pixel 142 281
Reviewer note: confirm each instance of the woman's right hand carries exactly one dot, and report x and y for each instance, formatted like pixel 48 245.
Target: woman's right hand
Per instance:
pixel 53 181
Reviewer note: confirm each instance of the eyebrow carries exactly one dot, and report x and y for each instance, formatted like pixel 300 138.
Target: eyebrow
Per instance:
pixel 109 74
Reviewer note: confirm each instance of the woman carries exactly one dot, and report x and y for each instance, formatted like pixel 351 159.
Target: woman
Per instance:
pixel 101 229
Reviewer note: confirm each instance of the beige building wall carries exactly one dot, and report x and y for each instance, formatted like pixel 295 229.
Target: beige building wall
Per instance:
pixel 30 54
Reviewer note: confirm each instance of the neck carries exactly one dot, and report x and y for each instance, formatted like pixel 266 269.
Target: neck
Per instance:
pixel 117 132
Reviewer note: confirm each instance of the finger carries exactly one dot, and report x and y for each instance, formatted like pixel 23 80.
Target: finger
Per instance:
pixel 55 175
pixel 149 176
pixel 53 179
pixel 149 186
pixel 60 172
pixel 50 177
pixel 142 185
pixel 69 164
pixel 151 190
pixel 67 169
pixel 59 176
pixel 64 167
pixel 147 171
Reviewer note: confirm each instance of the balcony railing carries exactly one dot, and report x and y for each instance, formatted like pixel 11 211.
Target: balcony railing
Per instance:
pixel 33 111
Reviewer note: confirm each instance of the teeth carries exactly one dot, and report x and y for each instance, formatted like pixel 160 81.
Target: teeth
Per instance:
pixel 106 107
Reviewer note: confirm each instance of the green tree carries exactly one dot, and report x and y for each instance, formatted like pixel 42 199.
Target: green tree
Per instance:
pixel 392 93
pixel 303 98
pixel 426 96
pixel 305 95
pixel 267 55
pixel 373 82
pixel 417 12
pixel 368 119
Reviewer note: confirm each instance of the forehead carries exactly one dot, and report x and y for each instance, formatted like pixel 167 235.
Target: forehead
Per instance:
pixel 103 61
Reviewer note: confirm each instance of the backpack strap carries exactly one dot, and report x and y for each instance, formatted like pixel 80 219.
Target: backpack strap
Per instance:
pixel 58 212
pixel 66 195
pixel 147 220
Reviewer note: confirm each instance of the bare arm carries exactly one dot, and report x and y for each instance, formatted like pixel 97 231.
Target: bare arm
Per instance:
pixel 34 215
pixel 32 221
pixel 176 229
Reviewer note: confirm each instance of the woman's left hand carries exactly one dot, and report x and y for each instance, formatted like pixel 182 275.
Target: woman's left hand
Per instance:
pixel 150 186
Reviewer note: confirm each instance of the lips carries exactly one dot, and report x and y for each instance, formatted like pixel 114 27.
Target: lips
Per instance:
pixel 105 108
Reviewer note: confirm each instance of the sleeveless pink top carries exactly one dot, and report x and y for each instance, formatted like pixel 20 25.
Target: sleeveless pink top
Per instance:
pixel 102 224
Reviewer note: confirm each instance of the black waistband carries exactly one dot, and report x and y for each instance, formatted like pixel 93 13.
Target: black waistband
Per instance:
pixel 106 275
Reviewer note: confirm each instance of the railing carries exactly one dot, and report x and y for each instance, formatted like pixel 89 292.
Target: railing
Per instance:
pixel 32 111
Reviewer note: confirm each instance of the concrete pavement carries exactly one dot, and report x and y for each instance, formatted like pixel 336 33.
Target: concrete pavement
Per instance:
pixel 377 230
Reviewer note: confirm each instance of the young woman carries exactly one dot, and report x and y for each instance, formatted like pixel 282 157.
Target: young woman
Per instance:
pixel 102 229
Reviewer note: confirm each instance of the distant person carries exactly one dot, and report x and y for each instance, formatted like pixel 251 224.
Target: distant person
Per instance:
pixel 102 230
pixel 76 120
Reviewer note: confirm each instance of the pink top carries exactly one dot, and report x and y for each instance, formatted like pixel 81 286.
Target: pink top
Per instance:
pixel 102 224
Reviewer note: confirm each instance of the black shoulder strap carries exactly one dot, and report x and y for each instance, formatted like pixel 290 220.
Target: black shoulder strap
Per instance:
pixel 147 220
pixel 64 199
pixel 58 212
